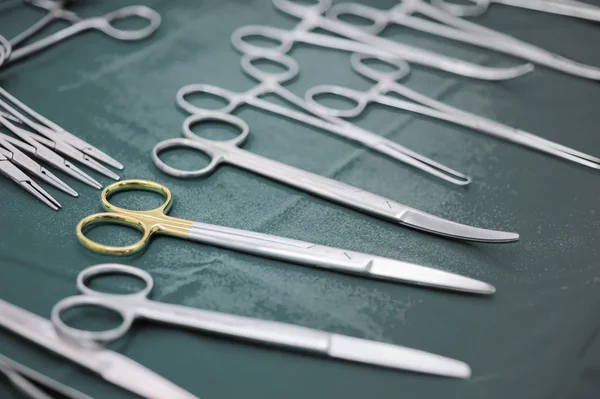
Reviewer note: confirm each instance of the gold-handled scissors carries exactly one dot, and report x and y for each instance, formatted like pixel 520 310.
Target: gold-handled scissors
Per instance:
pixel 156 221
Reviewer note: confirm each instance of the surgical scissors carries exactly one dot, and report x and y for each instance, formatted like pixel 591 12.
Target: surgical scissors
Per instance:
pixel 111 366
pixel 358 42
pixel 286 336
pixel 271 83
pixel 35 385
pixel 156 221
pixel 458 29
pixel 104 24
pixel 574 9
pixel 344 194
pixel 387 82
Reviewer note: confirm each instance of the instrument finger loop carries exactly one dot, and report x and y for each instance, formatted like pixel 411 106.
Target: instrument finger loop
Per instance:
pixel 90 273
pixel 90 338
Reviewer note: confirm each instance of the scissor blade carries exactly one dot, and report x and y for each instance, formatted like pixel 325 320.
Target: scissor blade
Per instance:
pixel 397 357
pixel 112 366
pixel 433 224
pixel 22 160
pixel 128 374
pixel 390 269
pixel 14 173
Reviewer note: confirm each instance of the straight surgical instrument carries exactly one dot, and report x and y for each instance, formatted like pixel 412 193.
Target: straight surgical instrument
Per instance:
pixel 454 28
pixel 386 82
pixel 39 122
pixel 271 83
pixel 111 366
pixel 104 24
pixel 287 38
pixel 229 152
pixel 574 9
pixel 37 149
pixel 36 385
pixel 54 140
pixel 14 173
pixel 18 158
pixel 288 336
pixel 156 221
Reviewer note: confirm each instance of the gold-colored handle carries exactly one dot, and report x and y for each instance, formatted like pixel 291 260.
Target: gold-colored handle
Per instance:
pixel 120 219
pixel 148 222
pixel 137 185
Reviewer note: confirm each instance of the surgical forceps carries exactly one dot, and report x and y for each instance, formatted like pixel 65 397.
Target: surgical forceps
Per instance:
pixel 104 24
pixel 5 49
pixel 56 11
pixel 568 8
pixel 17 157
pixel 35 385
pixel 344 194
pixel 32 145
pixel 386 82
pixel 58 140
pixel 357 41
pixel 454 28
pixel 111 366
pixel 54 132
pixel 271 83
pixel 14 173
pixel 156 221
pixel 286 336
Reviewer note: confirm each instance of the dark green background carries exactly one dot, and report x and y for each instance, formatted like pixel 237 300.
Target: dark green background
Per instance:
pixel 536 338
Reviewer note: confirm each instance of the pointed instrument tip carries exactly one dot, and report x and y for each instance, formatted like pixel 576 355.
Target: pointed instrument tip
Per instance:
pixel 395 357
pixel 404 272
pixel 433 224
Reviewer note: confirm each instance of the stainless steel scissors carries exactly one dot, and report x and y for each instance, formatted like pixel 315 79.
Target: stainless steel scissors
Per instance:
pixel 568 8
pixel 156 221
pixel 111 366
pixel 229 152
pixel 104 24
pixel 387 82
pixel 36 385
pixel 286 336
pixel 360 42
pixel 454 28
pixel 271 83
